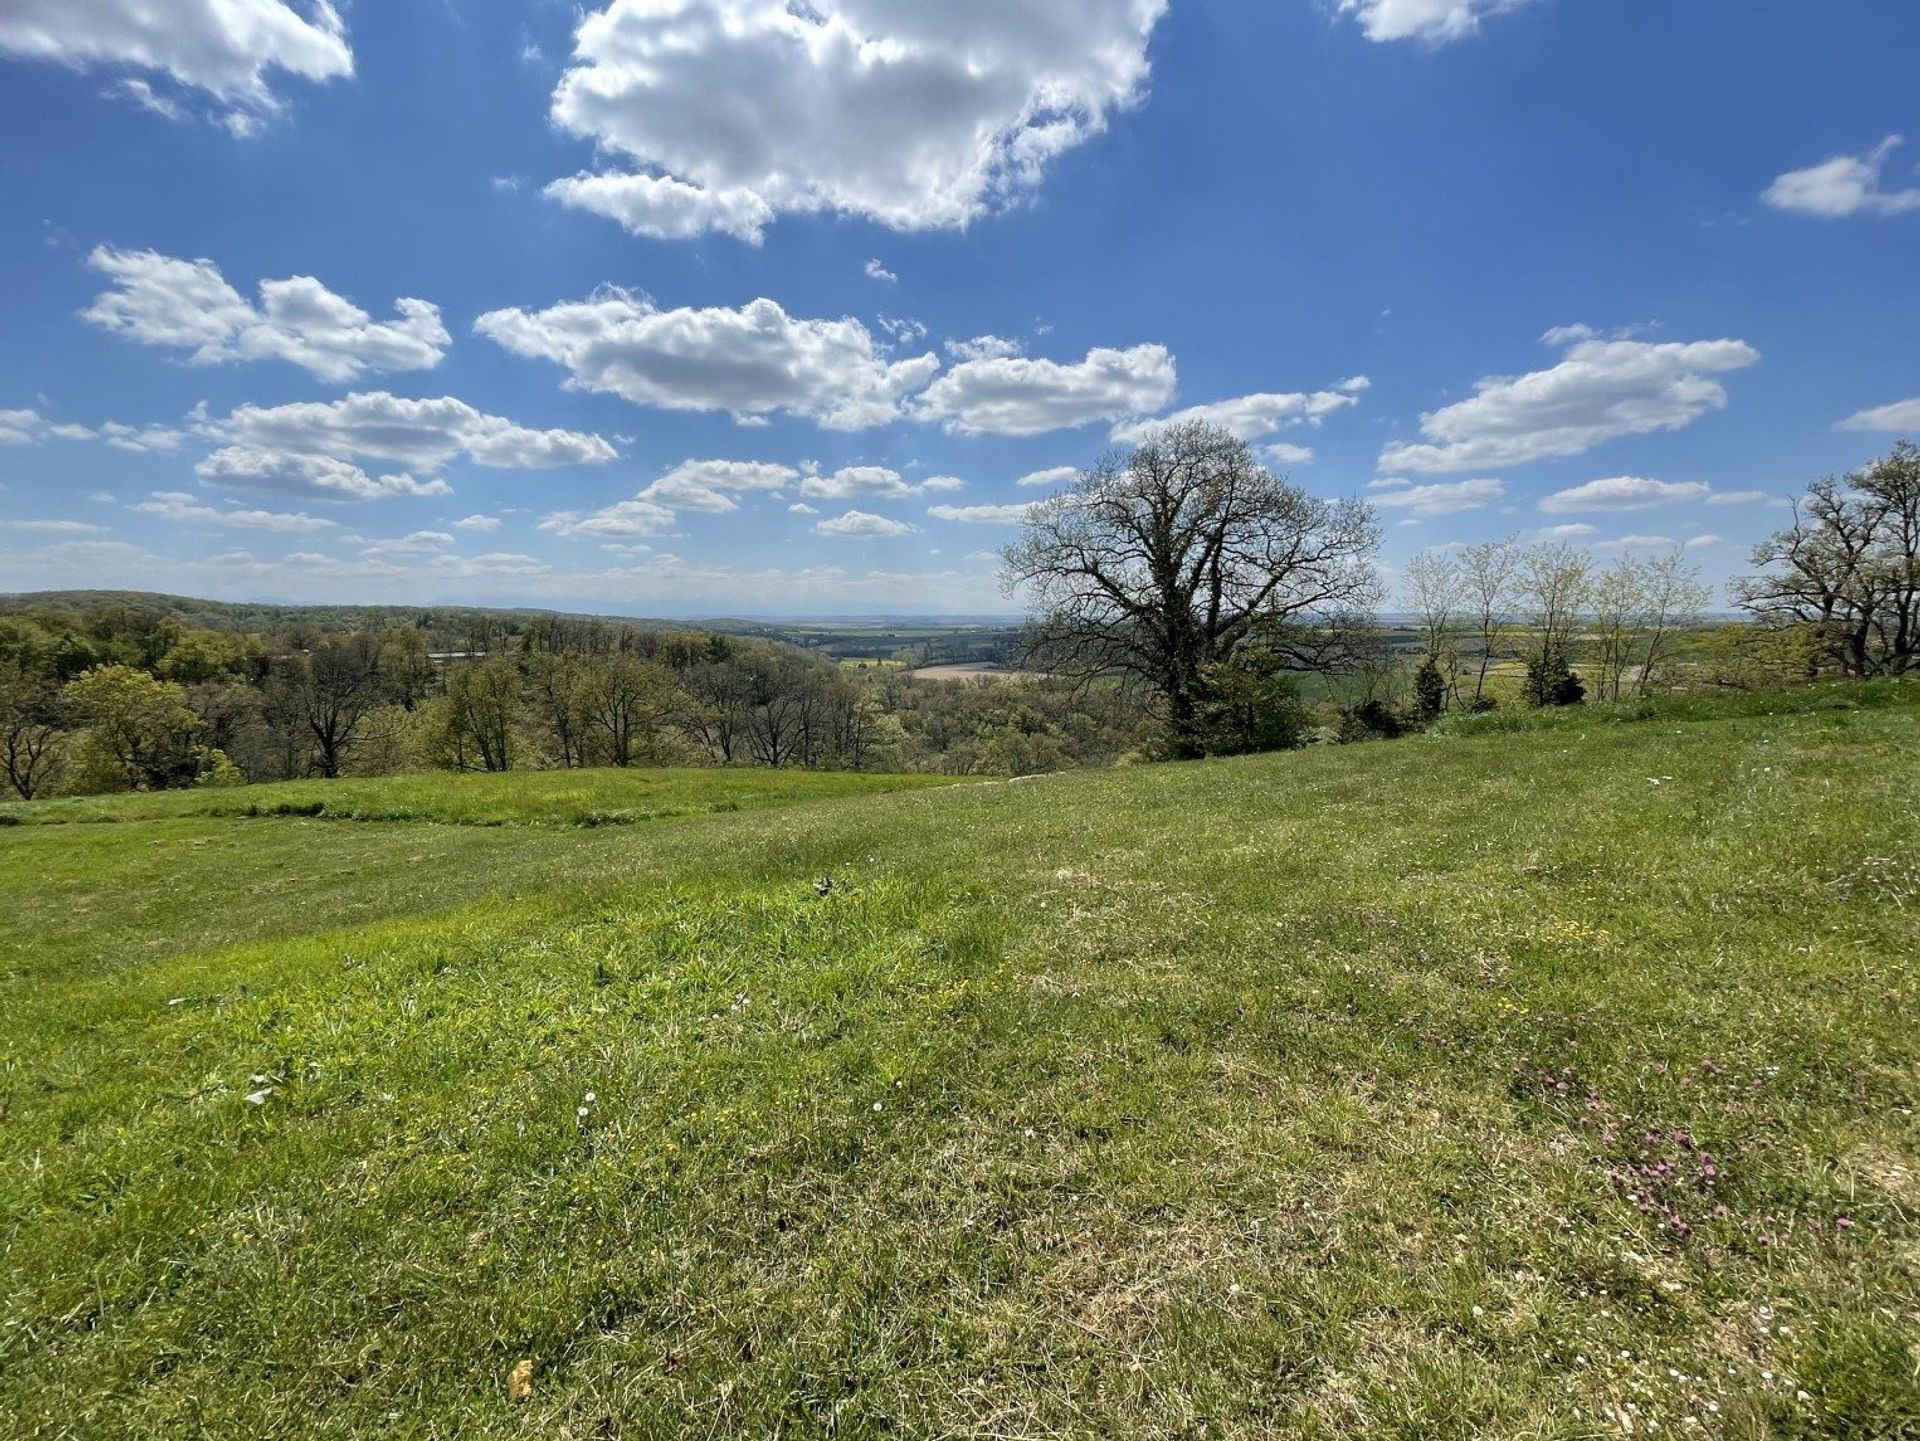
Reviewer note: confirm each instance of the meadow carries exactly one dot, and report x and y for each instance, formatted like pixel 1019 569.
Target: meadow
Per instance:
pixel 1531 1079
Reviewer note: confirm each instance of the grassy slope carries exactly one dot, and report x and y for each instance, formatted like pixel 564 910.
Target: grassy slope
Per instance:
pixel 1287 1095
pixel 596 797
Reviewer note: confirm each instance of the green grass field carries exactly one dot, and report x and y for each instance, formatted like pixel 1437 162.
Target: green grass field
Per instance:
pixel 1557 1082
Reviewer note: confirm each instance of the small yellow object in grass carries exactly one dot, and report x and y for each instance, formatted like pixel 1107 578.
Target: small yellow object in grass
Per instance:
pixel 520 1382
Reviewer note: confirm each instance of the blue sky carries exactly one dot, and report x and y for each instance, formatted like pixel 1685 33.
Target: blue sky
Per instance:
pixel 682 307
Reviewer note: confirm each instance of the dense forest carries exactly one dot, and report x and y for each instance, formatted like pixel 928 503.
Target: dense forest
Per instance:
pixel 117 692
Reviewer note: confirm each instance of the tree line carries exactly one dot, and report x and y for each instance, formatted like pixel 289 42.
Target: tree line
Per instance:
pixel 120 698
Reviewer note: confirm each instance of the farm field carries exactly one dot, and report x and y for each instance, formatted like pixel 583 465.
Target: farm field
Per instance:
pixel 1552 1077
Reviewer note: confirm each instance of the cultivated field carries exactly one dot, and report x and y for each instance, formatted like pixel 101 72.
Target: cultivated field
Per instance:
pixel 1542 1080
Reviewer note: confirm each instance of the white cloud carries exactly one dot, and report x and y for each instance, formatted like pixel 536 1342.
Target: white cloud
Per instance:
pixel 27 427
pixel 879 272
pixel 1624 492
pixel 1447 498
pixel 916 115
pixel 1249 416
pixel 177 505
pixel 1901 415
pixel 315 477
pixel 750 362
pixel 424 434
pixel 1635 542
pixel 1701 542
pixel 54 527
pixel 188 305
pixel 483 523
pixel 800 507
pixel 420 542
pixel 864 482
pixel 901 330
pixel 1603 389
pixel 1435 21
pixel 1844 186
pixel 1284 455
pixel 861 523
pixel 984 347
pixel 1014 396
pixel 225 48
pixel 710 485
pixel 1049 479
pixel 1572 530
pixel 982 514
pixel 18 427
pixel 627 518
pixel 1738 497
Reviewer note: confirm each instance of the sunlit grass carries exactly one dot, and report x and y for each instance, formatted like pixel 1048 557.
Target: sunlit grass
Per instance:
pixel 1302 1095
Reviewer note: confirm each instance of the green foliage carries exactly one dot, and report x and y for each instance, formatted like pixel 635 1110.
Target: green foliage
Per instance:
pixel 1295 1081
pixel 1429 692
pixel 139 732
pixel 1250 704
pixel 1551 682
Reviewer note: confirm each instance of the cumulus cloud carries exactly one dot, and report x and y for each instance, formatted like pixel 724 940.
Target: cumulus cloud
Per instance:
pixel 1445 498
pixel 1434 21
pixel 710 485
pixel 27 427
pixel 861 482
pixel 918 115
pixel 1844 186
pixel 222 48
pixel 861 523
pixel 1251 416
pixel 1901 415
pixel 1010 395
pixel 1701 542
pixel 981 514
pixel 1739 497
pixel 984 347
pixel 188 305
pixel 1602 389
pixel 624 519
pixel 313 477
pixel 423 434
pixel 879 272
pixel 1624 492
pixel 1051 478
pixel 751 362
pixel 482 523
pixel 1283 455
pixel 177 505
pixel 420 542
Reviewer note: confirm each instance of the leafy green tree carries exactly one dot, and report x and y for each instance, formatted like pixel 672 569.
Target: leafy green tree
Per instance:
pixel 483 704
pixel 140 734
pixel 1551 682
pixel 32 721
pixel 1250 704
pixel 1429 691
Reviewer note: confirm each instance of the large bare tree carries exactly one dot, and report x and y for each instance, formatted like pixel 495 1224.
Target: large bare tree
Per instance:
pixel 1847 571
pixel 1161 562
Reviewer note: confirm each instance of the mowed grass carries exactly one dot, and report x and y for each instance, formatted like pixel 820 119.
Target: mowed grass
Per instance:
pixel 567 797
pixel 1552 1084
